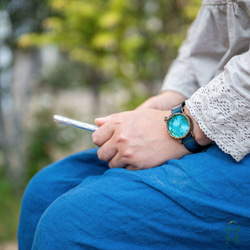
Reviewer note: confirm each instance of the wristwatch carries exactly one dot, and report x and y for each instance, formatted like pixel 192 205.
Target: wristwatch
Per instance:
pixel 180 127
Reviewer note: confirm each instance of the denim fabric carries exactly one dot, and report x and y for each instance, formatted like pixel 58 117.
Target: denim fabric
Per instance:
pixel 201 201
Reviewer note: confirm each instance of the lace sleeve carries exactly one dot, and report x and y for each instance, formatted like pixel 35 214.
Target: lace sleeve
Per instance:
pixel 220 32
pixel 223 115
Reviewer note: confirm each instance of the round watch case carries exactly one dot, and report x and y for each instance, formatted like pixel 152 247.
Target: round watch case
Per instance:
pixel 179 125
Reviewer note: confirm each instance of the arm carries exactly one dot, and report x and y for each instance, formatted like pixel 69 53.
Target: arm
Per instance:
pixel 220 110
pixel 138 139
pixel 164 101
pixel 219 32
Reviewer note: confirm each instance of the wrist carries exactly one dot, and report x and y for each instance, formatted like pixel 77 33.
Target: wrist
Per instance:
pixel 198 134
pixel 182 127
pixel 172 98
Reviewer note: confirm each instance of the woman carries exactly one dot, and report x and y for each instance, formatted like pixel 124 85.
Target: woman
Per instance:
pixel 189 193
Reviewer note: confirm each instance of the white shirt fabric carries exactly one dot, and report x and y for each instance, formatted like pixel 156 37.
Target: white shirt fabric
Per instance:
pixel 213 71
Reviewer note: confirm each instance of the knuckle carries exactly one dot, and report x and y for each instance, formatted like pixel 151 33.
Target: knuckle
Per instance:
pixel 94 139
pixel 100 154
pixel 122 138
pixel 103 155
pixel 118 120
pixel 111 165
pixel 128 154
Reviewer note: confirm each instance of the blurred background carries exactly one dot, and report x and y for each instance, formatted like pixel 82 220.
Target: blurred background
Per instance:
pixel 77 58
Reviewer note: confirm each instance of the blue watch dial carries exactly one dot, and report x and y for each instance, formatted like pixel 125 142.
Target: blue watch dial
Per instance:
pixel 178 126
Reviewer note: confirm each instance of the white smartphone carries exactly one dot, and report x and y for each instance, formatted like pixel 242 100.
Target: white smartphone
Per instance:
pixel 73 123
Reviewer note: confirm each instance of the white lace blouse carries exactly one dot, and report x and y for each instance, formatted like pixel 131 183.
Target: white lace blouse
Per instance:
pixel 213 71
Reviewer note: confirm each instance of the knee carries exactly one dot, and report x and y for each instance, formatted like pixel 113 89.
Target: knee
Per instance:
pixel 34 203
pixel 73 221
pixel 37 186
pixel 40 191
pixel 45 232
pixel 58 227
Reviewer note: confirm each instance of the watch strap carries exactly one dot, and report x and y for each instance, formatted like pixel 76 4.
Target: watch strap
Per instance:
pixel 178 108
pixel 189 141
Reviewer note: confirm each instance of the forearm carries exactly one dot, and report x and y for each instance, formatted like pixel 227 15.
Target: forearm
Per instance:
pixel 222 108
pixel 164 101
pixel 136 139
pixel 198 134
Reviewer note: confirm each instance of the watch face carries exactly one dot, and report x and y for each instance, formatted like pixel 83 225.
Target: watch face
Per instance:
pixel 178 125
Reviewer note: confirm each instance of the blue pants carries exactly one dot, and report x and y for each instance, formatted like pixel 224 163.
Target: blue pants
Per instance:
pixel 201 201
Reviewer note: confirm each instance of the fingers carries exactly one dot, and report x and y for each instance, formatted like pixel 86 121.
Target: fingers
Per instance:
pixel 115 152
pixel 102 120
pixel 131 168
pixel 122 158
pixel 107 151
pixel 105 139
pixel 117 162
pixel 103 133
pixel 128 159
pixel 124 138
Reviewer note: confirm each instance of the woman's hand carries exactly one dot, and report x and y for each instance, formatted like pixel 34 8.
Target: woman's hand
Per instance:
pixel 164 101
pixel 136 139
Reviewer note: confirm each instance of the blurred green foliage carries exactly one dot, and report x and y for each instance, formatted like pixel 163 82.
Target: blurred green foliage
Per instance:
pixel 9 209
pixel 65 75
pixel 119 41
pixel 46 137
pixel 110 43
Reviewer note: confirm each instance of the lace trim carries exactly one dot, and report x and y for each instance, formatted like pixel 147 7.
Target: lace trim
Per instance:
pixel 223 115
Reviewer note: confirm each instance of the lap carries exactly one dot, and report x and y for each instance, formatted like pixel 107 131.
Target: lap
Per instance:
pixel 49 184
pixel 66 174
pixel 186 202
